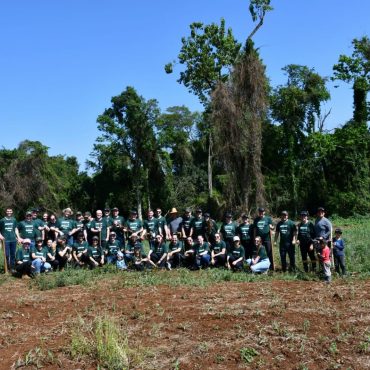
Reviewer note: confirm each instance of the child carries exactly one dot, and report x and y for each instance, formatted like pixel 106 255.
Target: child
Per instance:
pixel 338 252
pixel 120 262
pixel 324 257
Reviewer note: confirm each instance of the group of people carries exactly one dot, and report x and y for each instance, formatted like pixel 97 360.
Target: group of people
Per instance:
pixel 50 242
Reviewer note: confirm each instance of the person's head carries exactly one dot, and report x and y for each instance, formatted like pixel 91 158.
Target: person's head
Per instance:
pixel 322 243
pixel 150 213
pixel 261 211
pixel 198 213
pixel 87 215
pixel 39 243
pixel 9 212
pixel 173 213
pixel 34 213
pixel 187 212
pixel 45 216
pixel 338 232
pixel 28 215
pixel 189 240
pixel 245 218
pixel 236 241
pixel 133 238
pixel 207 216
pixel 200 239
pixel 228 217
pixel 95 241
pixel 174 238
pixel 133 214
pixel 80 237
pixel 61 240
pixel 112 235
pixel 257 240
pixel 106 211
pixel 26 243
pixel 79 216
pixel 99 214
pixel 119 255
pixel 115 211
pixel 67 212
pixel 284 215
pixel 320 212
pixel 217 237
pixel 158 212
pixel 50 243
pixel 159 238
pixel 304 215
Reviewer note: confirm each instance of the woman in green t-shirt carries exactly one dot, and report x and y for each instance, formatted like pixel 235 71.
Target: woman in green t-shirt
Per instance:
pixel 260 263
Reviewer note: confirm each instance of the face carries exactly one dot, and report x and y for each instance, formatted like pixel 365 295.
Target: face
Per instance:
pixel 245 220
pixel 237 243
pixel 9 212
pixel 150 214
pixel 95 242
pixel 106 212
pixel 52 218
pixel 228 219
pixel 257 241
pixel 261 213
pixel 200 239
pixel 45 216
pixel 158 238
pixel 39 244
pixel 28 217
pixel 189 240
pixel 217 236
pixel 199 214
pixel 158 212
pixel 115 213
pixel 320 213
pixel 26 245
pixel 174 238
pixel 34 214
pixel 67 213
pixel 304 218
pixel 112 236
pixel 99 214
pixel 284 217
pixel 49 243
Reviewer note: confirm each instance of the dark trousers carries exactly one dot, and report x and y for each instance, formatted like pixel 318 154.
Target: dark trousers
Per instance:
pixel 61 260
pixel 10 248
pixel 267 244
pixel 238 266
pixel 155 257
pixel 54 264
pixel 189 261
pixel 339 264
pixel 175 260
pixel 248 248
pixel 220 261
pixel 23 268
pixel 305 251
pixel 287 248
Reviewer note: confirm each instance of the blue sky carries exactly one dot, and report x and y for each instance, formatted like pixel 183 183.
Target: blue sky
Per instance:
pixel 61 61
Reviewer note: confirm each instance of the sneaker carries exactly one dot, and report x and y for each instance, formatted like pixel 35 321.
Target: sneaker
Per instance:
pixel 168 266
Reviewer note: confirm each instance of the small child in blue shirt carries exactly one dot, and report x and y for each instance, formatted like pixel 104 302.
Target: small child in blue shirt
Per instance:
pixel 120 263
pixel 338 251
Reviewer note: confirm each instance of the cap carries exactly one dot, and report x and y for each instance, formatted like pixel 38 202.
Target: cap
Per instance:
pixel 28 213
pixel 38 239
pixel 78 213
pixel 87 213
pixel 35 210
pixel 236 238
pixel 285 213
pixel 62 237
pixel 112 233
pixel 119 254
pixel 133 212
pixel 228 215
pixel 173 210
pixel 338 231
pixel 261 209
pixel 304 213
pixel 187 210
pixel 198 210
pixel 320 209
pixel 244 216
pixel 115 209
pixel 95 238
pixel 207 214
pixel 26 241
pixel 106 209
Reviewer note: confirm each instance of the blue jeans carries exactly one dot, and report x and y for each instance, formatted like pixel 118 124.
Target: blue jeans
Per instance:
pixel 10 248
pixel 40 266
pixel 203 260
pixel 260 267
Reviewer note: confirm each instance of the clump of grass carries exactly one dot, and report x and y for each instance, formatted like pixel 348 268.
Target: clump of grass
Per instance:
pixel 103 341
pixel 248 354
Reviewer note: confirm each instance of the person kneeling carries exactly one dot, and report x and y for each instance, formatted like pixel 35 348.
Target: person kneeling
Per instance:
pixel 95 254
pixel 260 263
pixel 235 258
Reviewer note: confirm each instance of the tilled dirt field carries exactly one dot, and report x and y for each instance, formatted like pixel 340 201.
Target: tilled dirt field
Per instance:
pixel 260 325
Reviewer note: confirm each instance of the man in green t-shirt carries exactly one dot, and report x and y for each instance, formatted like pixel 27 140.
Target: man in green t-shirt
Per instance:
pixel 262 227
pixel 118 225
pixel 174 256
pixel 218 252
pixel 185 225
pixel 8 226
pixel 112 247
pixel 158 252
pixel 100 227
pixel 245 233
pixel 95 253
pixel 287 231
pixel 162 223
pixel 151 228
pixel 134 225
pixel 228 231
pixel 79 251
pixel 26 229
pixel 305 236
pixel 197 226
pixel 67 226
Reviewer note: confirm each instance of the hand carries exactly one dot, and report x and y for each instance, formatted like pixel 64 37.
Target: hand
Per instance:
pixel 2 238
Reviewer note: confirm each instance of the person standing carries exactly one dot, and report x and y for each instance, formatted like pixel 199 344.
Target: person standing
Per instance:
pixel 151 228
pixel 287 231
pixel 8 226
pixel 26 229
pixel 197 226
pixel 118 225
pixel 323 227
pixel 210 229
pixel 186 223
pixel 244 232
pixel 174 223
pixel 305 236
pixel 228 231
pixel 162 223
pixel 100 228
pixel 262 227
pixel 66 225
pixel 134 225
pixel 338 251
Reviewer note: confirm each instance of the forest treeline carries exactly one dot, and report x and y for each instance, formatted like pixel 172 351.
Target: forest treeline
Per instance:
pixel 253 144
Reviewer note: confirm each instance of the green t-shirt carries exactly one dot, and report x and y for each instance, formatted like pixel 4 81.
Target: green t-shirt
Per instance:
pixel 27 230
pixel 306 232
pixel 262 226
pixel 130 246
pixel 186 225
pixel 133 225
pixel 100 224
pixel 152 226
pixel 66 225
pixel 262 253
pixel 228 230
pixel 38 223
pixel 245 231
pixel 39 252
pixel 113 247
pixel 286 231
pixel 161 223
pixel 237 252
pixel 7 228
pixel 218 247
pixel 159 248
pixel 173 246
pixel 80 247
pixel 23 255
pixel 95 253
pixel 201 248
pixel 197 224
pixel 117 223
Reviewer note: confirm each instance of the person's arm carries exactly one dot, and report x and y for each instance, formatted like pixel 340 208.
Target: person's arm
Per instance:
pixel 238 260
pixel 164 255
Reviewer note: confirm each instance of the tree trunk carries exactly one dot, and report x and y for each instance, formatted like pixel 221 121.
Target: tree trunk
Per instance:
pixel 210 184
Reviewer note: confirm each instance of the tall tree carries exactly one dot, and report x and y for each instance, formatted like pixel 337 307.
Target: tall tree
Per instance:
pixel 207 54
pixel 356 69
pixel 128 135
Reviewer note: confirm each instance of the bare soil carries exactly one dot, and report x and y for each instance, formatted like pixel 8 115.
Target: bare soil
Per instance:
pixel 291 325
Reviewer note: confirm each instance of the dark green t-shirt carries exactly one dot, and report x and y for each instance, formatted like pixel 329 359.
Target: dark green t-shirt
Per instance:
pixel 39 252
pixel 66 225
pixel 133 225
pixel 159 248
pixel 186 225
pixel 95 253
pixel 228 230
pixel 113 247
pixel 80 247
pixel 173 246
pixel 23 255
pixel 100 224
pixel 237 252
pixel 117 224
pixel 7 228
pixel 152 226
pixel 306 232
pixel 38 223
pixel 286 231
pixel 197 224
pixel 27 230
pixel 245 232
pixel 201 248
pixel 261 253
pixel 218 247
pixel 262 226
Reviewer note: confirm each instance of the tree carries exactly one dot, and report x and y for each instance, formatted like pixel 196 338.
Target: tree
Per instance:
pixel 356 69
pixel 208 54
pixel 129 142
